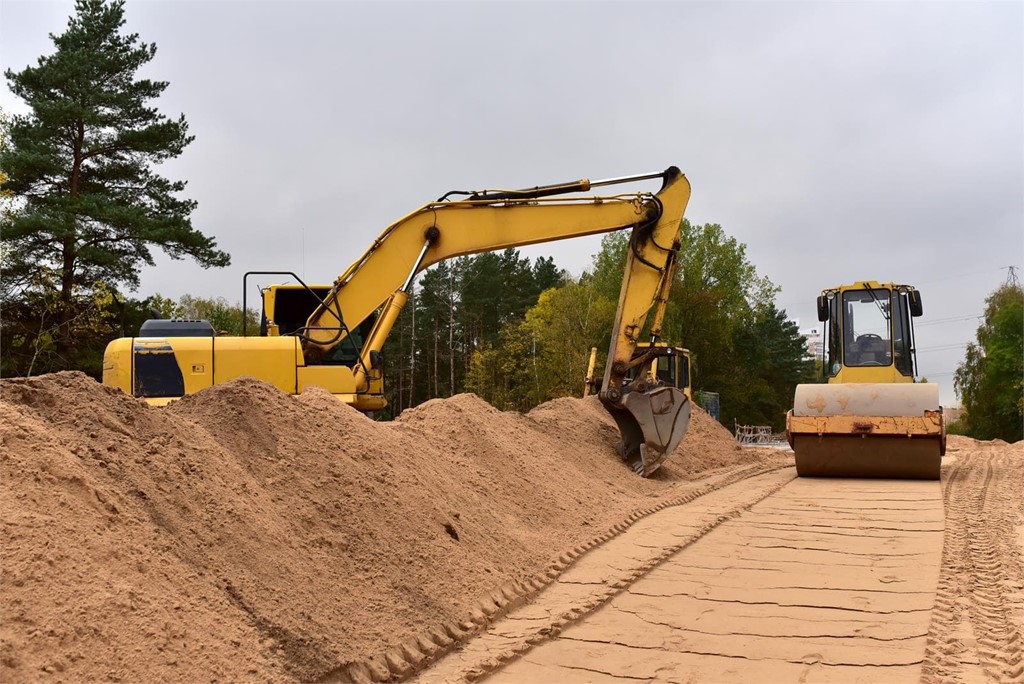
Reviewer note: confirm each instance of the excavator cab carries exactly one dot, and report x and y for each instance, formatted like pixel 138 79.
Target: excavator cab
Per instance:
pixel 668 369
pixel 871 419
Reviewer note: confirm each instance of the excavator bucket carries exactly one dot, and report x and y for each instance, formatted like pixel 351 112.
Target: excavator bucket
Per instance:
pixel 869 430
pixel 652 424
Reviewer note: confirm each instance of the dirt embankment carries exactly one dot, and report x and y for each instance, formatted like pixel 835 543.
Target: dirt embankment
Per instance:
pixel 242 534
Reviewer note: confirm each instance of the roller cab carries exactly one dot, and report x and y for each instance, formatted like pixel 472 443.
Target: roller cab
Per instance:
pixel 871 419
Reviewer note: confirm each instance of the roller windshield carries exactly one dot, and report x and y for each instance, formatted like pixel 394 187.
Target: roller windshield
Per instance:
pixel 867 332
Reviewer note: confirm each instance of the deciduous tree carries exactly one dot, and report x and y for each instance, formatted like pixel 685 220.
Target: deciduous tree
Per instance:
pixel 990 381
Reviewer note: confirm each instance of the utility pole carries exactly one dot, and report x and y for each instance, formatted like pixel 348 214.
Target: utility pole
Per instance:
pixel 1011 276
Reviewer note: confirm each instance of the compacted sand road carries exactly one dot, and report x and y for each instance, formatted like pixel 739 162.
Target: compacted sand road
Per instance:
pixel 775 578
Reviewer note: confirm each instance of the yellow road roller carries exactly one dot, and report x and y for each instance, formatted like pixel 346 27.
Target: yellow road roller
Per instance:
pixel 871 419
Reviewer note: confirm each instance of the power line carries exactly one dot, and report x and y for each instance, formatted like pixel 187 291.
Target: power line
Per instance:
pixel 960 275
pixel 944 347
pixel 951 319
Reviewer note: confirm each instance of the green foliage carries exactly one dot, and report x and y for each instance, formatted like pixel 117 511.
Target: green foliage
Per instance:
pixel 567 322
pixel 79 165
pixel 990 381
pixel 956 427
pixel 719 308
pixel 505 374
pixel 6 195
pixel 724 312
pixel 225 318
pixel 31 326
pixel 461 311
pixel 544 356
pixel 770 355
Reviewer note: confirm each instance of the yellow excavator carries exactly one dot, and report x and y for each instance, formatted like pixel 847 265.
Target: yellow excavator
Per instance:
pixel 331 336
pixel 871 419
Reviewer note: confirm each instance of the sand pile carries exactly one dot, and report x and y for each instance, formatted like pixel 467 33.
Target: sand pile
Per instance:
pixel 242 534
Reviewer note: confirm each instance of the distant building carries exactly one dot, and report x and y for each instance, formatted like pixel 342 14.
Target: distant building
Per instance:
pixel 812 339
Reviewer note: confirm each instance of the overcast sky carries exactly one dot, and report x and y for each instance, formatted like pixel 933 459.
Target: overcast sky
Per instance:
pixel 839 141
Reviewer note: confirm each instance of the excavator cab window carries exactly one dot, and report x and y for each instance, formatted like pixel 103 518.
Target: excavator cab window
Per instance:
pixel 294 305
pixel 867 328
pixel 666 368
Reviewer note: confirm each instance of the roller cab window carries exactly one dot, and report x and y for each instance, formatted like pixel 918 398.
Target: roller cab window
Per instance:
pixel 867 332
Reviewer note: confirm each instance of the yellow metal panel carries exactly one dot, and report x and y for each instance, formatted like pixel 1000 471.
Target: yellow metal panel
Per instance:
pixel 195 359
pixel 334 379
pixel 270 359
pixel 364 402
pixel 117 364
pixel 341 382
pixel 869 374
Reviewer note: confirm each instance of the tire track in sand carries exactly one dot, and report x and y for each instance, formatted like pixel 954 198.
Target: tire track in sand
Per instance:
pixel 604 573
pixel 806 580
pixel 976 632
pixel 401 662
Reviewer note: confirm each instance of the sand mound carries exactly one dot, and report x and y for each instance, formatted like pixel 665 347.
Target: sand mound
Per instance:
pixel 961 443
pixel 244 534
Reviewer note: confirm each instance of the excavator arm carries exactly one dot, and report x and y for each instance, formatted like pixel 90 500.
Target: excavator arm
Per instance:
pixel 652 421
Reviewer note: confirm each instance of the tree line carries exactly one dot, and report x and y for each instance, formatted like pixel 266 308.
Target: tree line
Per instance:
pixel 518 334
pixel 990 380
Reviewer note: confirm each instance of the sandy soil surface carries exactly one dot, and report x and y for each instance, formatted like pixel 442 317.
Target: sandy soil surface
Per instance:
pixel 796 580
pixel 773 578
pixel 241 534
pixel 244 535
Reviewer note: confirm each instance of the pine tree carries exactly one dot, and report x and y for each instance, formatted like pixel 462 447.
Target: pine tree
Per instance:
pixel 89 205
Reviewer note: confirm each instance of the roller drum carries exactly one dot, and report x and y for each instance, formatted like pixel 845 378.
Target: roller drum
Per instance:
pixel 867 430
